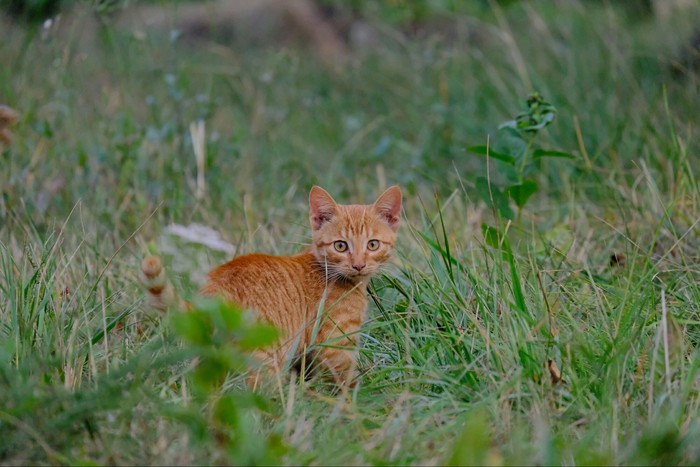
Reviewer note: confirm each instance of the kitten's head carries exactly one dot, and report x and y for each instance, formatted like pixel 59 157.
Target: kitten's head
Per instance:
pixel 353 240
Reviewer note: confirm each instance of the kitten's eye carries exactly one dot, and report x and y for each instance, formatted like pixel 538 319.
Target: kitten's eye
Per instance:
pixel 340 246
pixel 373 245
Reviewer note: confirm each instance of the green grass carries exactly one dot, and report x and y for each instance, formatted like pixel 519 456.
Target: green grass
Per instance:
pixel 454 355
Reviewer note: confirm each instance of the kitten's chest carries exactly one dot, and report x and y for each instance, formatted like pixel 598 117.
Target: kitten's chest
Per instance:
pixel 332 297
pixel 343 299
pixel 339 311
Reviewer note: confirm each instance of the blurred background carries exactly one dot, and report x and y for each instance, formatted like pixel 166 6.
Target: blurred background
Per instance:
pixel 332 92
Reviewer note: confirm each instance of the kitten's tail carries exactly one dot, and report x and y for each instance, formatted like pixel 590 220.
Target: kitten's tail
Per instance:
pixel 159 290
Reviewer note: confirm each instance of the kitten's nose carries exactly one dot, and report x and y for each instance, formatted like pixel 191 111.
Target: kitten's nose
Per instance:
pixel 358 267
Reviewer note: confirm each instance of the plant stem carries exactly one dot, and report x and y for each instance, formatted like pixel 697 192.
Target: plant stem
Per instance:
pixel 521 173
pixel 521 170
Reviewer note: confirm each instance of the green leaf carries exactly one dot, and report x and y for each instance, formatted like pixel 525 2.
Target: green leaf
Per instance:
pixel 207 304
pixel 212 369
pixel 474 443
pixel 487 151
pixel 493 196
pixel 522 192
pixel 512 124
pixel 446 257
pixel 518 294
pixel 249 400
pixel 533 123
pixel 539 153
pixel 223 316
pixel 258 336
pixel 495 239
pixel 491 236
pixel 101 333
pixel 225 411
pixel 530 365
pixel 193 327
pixel 538 115
pixel 231 316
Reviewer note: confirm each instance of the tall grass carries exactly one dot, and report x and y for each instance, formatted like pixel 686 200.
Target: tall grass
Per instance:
pixel 578 346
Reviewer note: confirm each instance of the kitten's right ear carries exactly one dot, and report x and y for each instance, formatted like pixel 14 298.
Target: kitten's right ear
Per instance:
pixel 322 207
pixel 388 206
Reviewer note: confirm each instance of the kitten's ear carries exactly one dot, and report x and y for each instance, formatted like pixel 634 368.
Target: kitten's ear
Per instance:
pixel 322 207
pixel 388 205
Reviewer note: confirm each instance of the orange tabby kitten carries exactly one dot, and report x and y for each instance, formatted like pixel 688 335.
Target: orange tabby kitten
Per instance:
pixel 326 282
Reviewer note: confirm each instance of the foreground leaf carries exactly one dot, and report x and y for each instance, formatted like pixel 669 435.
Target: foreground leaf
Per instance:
pixel 487 151
pixel 522 192
pixel 540 153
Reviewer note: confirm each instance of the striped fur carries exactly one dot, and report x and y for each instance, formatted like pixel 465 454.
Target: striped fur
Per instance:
pixel 317 296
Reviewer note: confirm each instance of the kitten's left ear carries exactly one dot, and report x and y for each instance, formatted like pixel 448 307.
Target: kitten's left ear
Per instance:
pixel 322 207
pixel 388 205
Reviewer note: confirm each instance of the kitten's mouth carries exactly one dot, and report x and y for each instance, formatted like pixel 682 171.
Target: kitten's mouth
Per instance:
pixel 351 273
pixel 355 274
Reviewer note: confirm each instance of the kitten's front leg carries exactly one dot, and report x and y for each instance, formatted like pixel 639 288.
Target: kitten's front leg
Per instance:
pixel 264 369
pixel 340 353
pixel 342 363
pixel 340 332
pixel 269 365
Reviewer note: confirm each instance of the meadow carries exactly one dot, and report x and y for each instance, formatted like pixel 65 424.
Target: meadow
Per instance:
pixel 552 323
